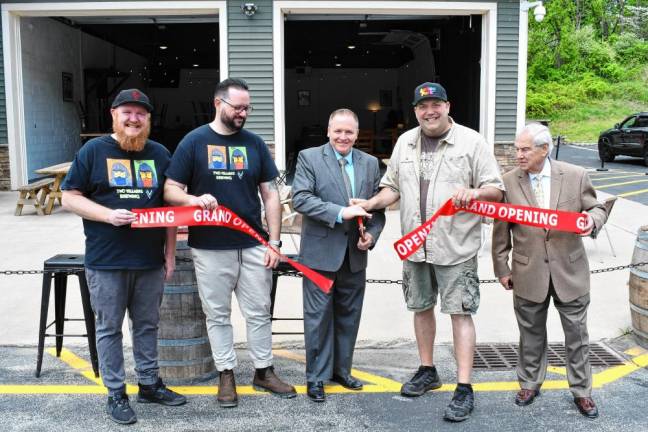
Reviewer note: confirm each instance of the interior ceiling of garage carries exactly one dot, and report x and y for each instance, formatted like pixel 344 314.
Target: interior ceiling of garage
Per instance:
pixel 360 41
pixel 168 43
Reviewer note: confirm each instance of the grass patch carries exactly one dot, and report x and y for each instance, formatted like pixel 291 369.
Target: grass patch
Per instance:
pixel 585 122
pixel 580 110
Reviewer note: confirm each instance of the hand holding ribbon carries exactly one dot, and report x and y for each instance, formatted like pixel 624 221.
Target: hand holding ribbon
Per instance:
pixel 537 217
pixel 219 216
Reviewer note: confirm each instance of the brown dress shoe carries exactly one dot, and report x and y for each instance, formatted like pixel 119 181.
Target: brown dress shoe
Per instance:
pixel 266 380
pixel 227 397
pixel 526 397
pixel 586 406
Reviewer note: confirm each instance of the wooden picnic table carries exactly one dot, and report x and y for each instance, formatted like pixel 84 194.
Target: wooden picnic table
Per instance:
pixel 59 171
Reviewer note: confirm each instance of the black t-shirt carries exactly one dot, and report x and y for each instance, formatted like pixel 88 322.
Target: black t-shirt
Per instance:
pixel 229 167
pixel 115 178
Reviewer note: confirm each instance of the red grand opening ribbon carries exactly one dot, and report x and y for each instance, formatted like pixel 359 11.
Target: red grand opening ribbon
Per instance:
pixel 220 216
pixel 523 215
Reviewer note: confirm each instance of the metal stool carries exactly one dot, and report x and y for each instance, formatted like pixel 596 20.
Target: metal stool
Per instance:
pixel 59 267
pixel 282 269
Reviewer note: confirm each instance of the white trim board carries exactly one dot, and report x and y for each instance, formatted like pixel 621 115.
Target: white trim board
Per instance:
pixel 11 14
pixel 489 49
pixel 523 42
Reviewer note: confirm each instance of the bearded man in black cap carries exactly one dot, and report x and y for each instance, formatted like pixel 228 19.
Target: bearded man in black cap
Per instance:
pixel 430 164
pixel 125 268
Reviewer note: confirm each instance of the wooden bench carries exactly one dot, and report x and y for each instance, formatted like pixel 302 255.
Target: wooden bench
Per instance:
pixel 29 195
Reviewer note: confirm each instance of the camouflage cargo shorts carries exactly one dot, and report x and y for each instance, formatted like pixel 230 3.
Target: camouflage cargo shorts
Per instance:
pixel 458 286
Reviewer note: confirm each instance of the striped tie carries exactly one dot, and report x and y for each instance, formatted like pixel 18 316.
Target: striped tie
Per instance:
pixel 345 176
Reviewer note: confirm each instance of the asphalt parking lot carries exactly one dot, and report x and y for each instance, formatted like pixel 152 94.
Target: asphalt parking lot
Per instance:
pixel 68 398
pixel 625 177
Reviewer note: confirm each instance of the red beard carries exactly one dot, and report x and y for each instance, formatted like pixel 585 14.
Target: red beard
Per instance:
pixel 129 143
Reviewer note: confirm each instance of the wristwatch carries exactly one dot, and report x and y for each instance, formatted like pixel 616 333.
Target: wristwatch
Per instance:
pixel 277 243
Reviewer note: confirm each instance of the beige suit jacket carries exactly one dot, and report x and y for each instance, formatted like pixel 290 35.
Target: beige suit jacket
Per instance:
pixel 538 254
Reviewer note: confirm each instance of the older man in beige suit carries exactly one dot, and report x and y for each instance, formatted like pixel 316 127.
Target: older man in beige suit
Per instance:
pixel 548 264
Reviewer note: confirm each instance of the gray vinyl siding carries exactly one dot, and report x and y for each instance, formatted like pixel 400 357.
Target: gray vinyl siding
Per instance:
pixel 250 57
pixel 3 104
pixel 508 12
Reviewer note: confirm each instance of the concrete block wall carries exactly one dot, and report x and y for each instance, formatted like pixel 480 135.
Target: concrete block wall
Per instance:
pixel 52 125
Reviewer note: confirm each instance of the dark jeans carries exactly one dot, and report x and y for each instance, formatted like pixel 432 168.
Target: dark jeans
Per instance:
pixel 112 292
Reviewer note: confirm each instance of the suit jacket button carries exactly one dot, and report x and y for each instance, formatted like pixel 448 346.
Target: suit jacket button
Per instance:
pixel 546 260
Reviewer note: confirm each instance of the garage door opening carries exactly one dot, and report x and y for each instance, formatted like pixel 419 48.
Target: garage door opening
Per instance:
pixel 99 56
pixel 371 64
pixel 65 62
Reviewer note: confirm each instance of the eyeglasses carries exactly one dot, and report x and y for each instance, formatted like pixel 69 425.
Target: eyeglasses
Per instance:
pixel 239 109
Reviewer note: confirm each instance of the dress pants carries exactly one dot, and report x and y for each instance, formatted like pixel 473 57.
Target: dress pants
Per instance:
pixel 331 323
pixel 532 361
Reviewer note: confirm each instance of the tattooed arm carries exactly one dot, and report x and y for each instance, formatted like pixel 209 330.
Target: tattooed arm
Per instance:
pixel 272 204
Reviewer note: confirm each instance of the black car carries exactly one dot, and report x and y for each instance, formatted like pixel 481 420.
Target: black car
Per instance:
pixel 630 138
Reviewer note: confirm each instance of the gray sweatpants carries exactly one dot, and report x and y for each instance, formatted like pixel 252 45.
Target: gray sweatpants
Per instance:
pixel 112 292
pixel 219 272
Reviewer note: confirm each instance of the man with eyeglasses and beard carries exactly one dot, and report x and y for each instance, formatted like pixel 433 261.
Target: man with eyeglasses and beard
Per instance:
pixel 229 261
pixel 125 268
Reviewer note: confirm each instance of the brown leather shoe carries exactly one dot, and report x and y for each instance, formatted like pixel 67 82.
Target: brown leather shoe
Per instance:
pixel 227 397
pixel 266 380
pixel 526 397
pixel 587 407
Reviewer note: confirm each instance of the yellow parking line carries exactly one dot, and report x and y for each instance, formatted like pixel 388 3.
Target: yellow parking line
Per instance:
pixel 617 177
pixel 377 384
pixel 637 192
pixel 635 351
pixel 621 184
pixel 610 375
pixel 386 383
pixel 557 370
pixel 77 363
pixel 51 389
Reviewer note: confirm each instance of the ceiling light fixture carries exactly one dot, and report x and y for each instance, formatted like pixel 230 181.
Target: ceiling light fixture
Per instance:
pixel 196 65
pixel 338 64
pixel 163 47
pixel 351 47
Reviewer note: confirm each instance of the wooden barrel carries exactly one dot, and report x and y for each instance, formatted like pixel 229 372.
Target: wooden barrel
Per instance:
pixel 639 288
pixel 183 346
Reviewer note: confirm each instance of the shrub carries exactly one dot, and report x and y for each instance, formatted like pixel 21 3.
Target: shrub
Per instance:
pixel 592 86
pixel 630 49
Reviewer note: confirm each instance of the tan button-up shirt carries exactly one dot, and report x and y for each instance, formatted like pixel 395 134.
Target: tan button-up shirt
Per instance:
pixel 462 159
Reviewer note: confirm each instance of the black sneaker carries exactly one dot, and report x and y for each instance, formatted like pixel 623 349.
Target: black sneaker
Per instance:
pixel 159 393
pixel 425 379
pixel 119 409
pixel 461 405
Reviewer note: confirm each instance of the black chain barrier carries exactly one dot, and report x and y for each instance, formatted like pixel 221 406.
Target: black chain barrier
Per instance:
pixel 294 273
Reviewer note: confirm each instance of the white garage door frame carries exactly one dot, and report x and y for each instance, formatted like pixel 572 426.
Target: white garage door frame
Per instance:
pixel 11 14
pixel 488 10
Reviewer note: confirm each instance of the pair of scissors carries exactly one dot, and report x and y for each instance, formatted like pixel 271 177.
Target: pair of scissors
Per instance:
pixel 361 227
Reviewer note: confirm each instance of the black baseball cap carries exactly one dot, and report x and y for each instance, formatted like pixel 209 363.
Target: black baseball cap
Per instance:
pixel 429 90
pixel 132 96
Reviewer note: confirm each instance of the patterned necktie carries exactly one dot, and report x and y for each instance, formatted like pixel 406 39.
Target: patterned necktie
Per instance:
pixel 538 191
pixel 345 176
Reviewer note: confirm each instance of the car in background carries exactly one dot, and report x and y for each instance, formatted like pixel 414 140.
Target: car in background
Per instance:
pixel 630 138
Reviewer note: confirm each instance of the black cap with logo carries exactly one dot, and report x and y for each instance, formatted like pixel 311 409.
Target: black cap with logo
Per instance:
pixel 132 96
pixel 429 90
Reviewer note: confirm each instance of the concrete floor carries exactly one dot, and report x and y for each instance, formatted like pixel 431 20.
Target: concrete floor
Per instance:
pixel 28 240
